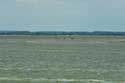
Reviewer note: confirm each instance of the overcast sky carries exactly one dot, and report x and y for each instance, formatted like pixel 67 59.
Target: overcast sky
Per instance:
pixel 62 15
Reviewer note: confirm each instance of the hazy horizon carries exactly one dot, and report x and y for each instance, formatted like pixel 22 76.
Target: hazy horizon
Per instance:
pixel 62 15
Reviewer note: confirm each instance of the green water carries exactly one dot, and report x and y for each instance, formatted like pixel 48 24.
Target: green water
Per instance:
pixel 61 60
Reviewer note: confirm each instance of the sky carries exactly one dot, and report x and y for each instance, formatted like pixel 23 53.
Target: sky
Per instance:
pixel 62 15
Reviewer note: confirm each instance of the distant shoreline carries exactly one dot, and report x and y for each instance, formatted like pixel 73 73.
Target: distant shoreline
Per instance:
pixel 82 38
pixel 61 33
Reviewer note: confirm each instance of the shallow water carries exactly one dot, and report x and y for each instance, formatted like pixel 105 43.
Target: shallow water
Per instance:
pixel 67 60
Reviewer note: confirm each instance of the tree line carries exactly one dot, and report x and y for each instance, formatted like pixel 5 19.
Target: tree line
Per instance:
pixel 60 33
